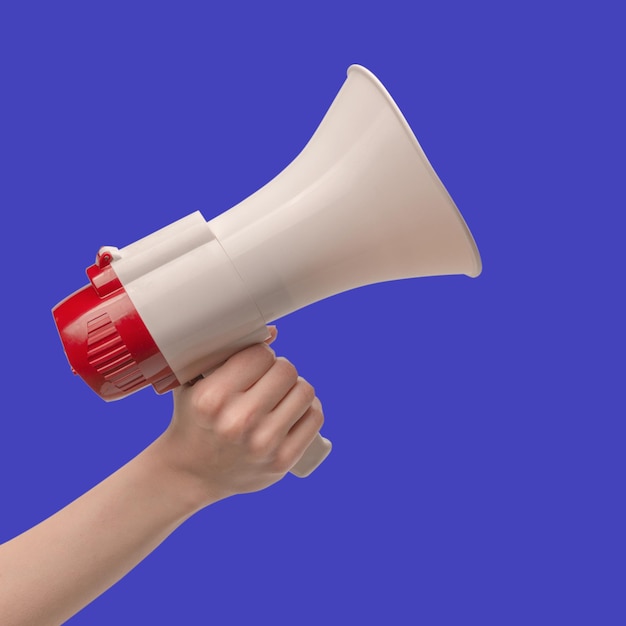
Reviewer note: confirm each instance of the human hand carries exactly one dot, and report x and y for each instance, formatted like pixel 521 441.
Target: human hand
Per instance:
pixel 239 430
pixel 243 427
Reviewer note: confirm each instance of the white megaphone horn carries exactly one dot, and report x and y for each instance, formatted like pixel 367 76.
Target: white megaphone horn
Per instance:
pixel 360 204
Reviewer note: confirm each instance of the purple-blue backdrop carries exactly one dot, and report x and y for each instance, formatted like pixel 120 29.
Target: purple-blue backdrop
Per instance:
pixel 478 469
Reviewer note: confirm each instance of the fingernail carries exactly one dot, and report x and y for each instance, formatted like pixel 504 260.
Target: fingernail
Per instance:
pixel 273 333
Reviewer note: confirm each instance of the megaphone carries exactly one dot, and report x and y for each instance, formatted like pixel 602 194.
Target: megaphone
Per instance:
pixel 359 205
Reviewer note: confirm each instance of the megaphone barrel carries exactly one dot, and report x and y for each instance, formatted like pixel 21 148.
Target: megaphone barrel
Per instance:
pixel 359 205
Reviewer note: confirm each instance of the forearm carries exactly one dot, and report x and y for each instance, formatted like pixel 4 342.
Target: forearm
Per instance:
pixel 56 568
pixel 237 431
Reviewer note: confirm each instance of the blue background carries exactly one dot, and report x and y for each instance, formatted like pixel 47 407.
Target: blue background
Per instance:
pixel 478 474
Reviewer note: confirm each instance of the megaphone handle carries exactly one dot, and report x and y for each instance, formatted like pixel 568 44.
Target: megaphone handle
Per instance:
pixel 317 451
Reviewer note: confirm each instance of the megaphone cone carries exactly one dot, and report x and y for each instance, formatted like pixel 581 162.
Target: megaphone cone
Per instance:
pixel 360 204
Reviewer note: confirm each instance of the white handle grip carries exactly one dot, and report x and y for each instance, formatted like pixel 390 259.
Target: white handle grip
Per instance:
pixel 317 451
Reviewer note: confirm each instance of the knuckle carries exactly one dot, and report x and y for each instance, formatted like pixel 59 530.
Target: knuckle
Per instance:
pixel 245 416
pixel 208 401
pixel 264 353
pixel 317 417
pixel 260 446
pixel 235 423
pixel 306 390
pixel 231 430
pixel 287 369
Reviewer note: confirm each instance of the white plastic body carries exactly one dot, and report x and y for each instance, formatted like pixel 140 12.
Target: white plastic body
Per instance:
pixel 361 204
pixel 190 296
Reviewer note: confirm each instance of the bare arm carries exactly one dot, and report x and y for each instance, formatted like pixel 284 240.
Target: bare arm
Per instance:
pixel 237 431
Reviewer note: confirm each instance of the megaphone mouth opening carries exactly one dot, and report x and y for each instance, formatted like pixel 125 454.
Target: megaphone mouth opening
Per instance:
pixel 476 263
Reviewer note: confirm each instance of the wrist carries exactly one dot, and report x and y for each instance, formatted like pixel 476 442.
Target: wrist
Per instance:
pixel 189 491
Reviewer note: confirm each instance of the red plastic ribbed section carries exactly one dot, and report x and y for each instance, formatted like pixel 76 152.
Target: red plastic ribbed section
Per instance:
pixel 110 357
pixel 106 342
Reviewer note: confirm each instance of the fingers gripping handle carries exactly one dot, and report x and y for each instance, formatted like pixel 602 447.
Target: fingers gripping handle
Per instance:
pixel 313 456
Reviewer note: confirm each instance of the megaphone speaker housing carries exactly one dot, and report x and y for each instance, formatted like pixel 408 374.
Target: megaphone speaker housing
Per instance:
pixel 359 205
